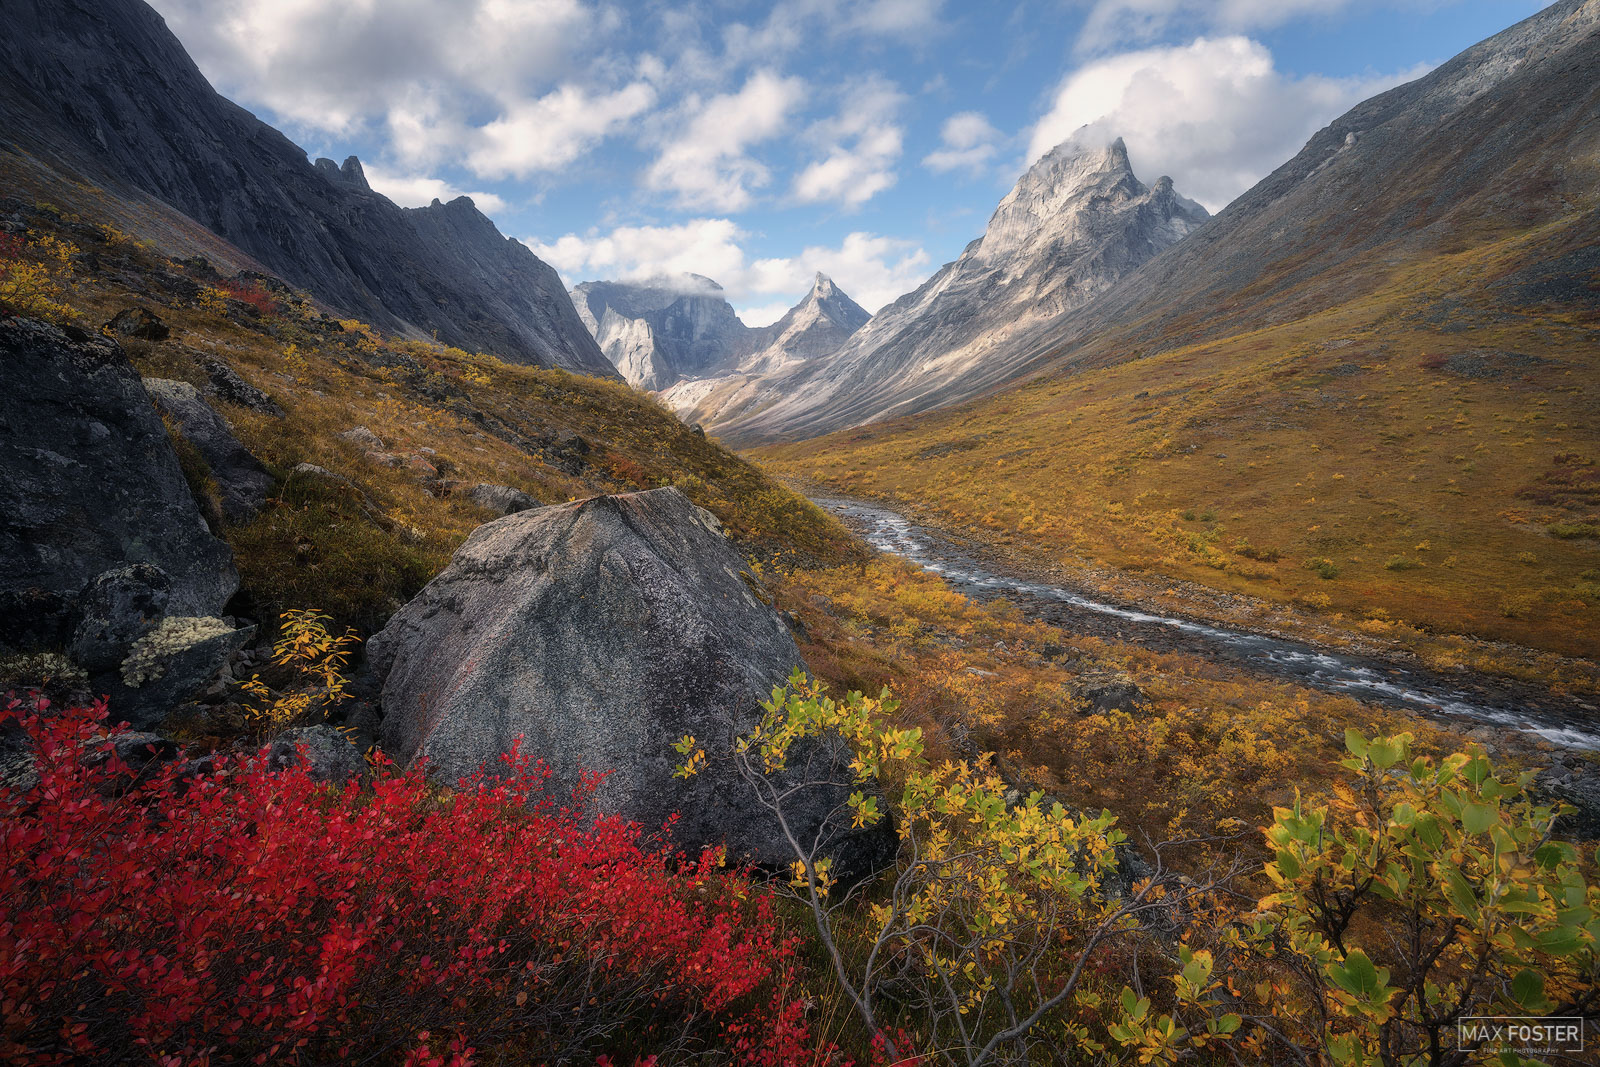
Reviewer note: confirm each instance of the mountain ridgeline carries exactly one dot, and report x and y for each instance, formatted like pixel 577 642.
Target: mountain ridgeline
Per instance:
pixel 102 94
pixel 1075 224
pixel 680 336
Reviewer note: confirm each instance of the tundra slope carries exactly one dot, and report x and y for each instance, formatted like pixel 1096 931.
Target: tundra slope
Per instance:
pixel 102 93
pixel 1074 224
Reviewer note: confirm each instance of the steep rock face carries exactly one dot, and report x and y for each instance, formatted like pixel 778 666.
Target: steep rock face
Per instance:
pixel 89 482
pixel 816 327
pixel 600 633
pixel 1075 224
pixel 103 89
pixel 100 539
pixel 242 482
pixel 659 332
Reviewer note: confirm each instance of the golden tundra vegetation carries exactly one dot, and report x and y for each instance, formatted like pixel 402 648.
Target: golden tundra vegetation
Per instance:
pixel 1216 745
pixel 1413 468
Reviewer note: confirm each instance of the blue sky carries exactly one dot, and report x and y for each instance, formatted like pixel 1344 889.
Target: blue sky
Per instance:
pixel 758 143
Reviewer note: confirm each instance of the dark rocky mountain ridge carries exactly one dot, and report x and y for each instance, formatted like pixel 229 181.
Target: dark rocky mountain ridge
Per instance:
pixel 104 91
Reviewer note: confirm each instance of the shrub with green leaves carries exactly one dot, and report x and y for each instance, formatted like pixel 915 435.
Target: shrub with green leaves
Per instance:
pixel 1428 893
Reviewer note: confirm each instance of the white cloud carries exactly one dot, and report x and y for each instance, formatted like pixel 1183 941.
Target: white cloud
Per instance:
pixel 550 132
pixel 1112 22
pixel 861 145
pixel 873 269
pixel 1216 115
pixel 416 190
pixel 763 314
pixel 500 84
pixel 705 162
pixel 969 142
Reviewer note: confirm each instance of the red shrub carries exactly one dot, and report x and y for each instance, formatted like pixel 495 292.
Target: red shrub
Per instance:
pixel 247 915
pixel 251 294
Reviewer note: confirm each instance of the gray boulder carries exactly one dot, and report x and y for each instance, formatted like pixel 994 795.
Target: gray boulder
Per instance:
pixel 89 483
pixel 501 499
pixel 117 609
pixel 601 632
pixel 327 753
pixel 1108 691
pixel 169 666
pixel 242 480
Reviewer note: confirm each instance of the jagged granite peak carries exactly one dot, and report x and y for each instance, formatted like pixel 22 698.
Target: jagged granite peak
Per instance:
pixel 102 92
pixel 661 330
pixel 1074 225
pixel 816 327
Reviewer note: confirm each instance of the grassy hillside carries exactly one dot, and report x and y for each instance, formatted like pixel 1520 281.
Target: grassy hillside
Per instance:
pixel 360 545
pixel 1416 462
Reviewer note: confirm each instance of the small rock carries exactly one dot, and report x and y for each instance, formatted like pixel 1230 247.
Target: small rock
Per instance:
pixel 500 499
pixel 1109 692
pixel 363 438
pixel 227 385
pixel 325 750
pixel 140 323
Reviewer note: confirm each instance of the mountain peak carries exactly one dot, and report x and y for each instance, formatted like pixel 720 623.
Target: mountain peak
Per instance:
pixel 822 287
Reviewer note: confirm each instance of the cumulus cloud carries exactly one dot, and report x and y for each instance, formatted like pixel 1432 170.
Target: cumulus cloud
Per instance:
pixel 416 190
pixel 1112 22
pixel 861 145
pixel 968 143
pixel 873 269
pixel 705 162
pixel 1216 114
pixel 501 85
pixel 551 131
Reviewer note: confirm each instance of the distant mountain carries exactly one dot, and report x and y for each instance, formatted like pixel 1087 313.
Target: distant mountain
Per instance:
pixel 101 92
pixel 661 331
pixel 1075 224
pixel 1503 139
pixel 814 328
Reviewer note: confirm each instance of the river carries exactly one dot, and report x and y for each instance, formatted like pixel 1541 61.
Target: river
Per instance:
pixel 1559 719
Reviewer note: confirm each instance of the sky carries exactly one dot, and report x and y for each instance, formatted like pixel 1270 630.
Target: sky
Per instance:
pixel 759 143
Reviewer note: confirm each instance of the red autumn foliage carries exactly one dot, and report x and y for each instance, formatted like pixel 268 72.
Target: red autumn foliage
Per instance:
pixel 251 294
pixel 253 916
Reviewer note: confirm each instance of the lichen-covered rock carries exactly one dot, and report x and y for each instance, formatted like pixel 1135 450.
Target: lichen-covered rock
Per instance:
pixel 171 664
pixel 500 499
pixel 242 480
pixel 89 483
pixel 118 608
pixel 326 752
pixel 600 633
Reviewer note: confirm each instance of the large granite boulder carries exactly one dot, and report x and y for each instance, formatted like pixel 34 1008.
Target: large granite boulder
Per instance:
pixel 242 481
pixel 100 538
pixel 600 632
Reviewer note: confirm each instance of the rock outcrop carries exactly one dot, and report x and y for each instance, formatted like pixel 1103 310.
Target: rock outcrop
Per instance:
pixel 242 481
pixel 1074 225
pixel 600 633
pixel 100 539
pixel 102 88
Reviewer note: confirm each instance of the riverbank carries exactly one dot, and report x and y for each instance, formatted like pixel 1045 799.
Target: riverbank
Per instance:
pixel 1462 700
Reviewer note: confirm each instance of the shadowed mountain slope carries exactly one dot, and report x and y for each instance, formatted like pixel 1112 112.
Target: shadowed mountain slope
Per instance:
pixel 102 92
